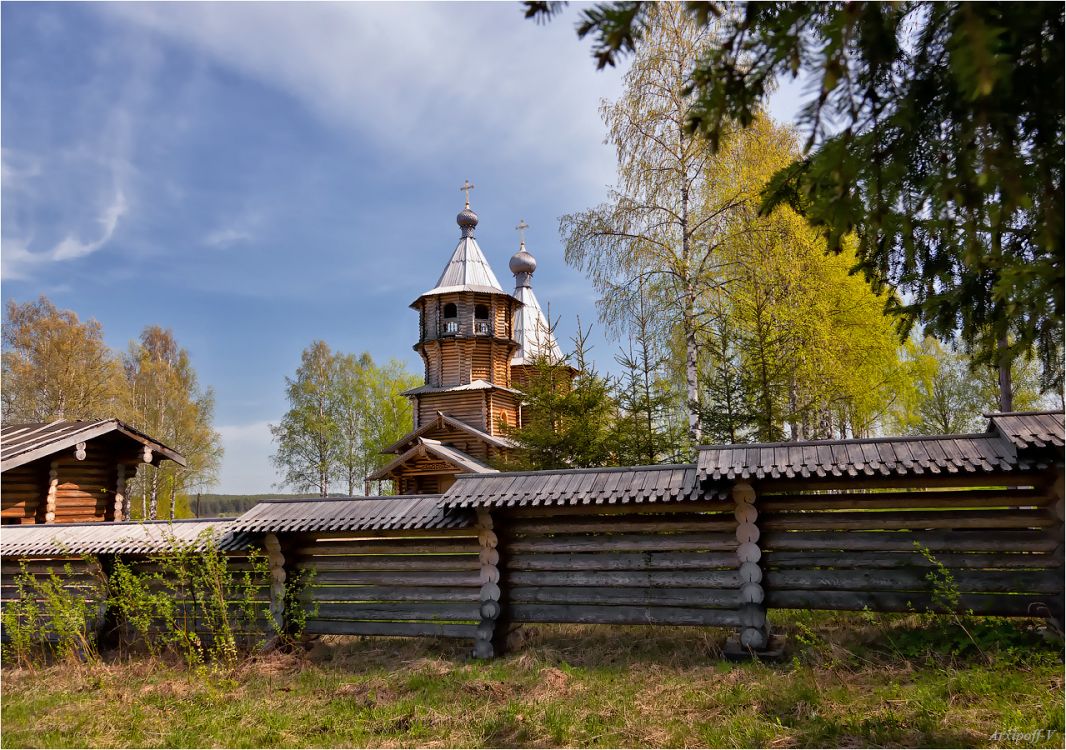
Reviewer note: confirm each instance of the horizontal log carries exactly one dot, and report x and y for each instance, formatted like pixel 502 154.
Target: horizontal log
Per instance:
pixel 682 578
pixel 711 542
pixel 433 611
pixel 890 520
pixel 936 541
pixel 399 579
pixel 679 597
pixel 1005 605
pixel 872 559
pixel 928 480
pixel 44 567
pixel 389 594
pixel 440 629
pixel 913 500
pixel 394 562
pixel 413 546
pixel 686 506
pixel 914 580
pixel 624 561
pixel 622 525
pixel 621 615
pixel 380 535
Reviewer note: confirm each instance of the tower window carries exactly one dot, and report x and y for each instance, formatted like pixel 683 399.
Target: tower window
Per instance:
pixel 450 311
pixel 451 325
pixel 481 320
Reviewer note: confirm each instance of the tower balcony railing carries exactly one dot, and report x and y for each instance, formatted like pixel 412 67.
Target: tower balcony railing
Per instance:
pixel 482 328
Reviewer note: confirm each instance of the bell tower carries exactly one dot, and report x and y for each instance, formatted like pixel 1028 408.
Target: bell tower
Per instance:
pixel 466 340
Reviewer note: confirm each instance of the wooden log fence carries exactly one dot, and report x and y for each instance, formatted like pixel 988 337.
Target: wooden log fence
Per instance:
pixel 992 551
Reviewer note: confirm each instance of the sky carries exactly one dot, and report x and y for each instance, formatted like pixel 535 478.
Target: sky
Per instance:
pixel 256 176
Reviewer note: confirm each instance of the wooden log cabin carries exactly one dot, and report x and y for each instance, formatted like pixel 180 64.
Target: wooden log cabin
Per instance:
pixel 67 471
pixel 477 343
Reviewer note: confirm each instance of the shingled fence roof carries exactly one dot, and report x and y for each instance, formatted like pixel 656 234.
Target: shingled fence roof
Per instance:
pixel 614 486
pixel 137 538
pixel 397 512
pixel 1013 442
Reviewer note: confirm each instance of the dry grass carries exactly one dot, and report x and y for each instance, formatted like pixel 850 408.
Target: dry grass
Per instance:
pixel 849 682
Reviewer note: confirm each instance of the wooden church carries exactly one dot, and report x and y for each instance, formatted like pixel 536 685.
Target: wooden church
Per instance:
pixel 477 342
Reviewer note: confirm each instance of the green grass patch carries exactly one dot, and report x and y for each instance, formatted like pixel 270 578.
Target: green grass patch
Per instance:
pixel 849 680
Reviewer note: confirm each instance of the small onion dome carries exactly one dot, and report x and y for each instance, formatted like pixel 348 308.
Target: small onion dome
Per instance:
pixel 466 219
pixel 522 262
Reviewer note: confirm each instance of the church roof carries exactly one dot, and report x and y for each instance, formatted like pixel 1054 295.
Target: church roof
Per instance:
pixel 531 330
pixel 426 446
pixel 442 422
pixel 473 385
pixel 467 270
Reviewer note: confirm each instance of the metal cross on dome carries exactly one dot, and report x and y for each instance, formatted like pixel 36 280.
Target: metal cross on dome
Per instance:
pixel 466 188
pixel 522 227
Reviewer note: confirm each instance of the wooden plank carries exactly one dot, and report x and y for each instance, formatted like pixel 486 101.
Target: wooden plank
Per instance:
pixel 390 593
pixel 413 546
pixel 395 562
pixel 901 500
pixel 623 561
pixel 683 578
pixel 443 578
pixel 1006 605
pixel 684 597
pixel 937 541
pixel 947 519
pixel 1003 479
pixel 641 524
pixel 621 615
pixel 440 629
pixel 903 560
pixel 681 506
pixel 913 580
pixel 710 542
pixel 433 611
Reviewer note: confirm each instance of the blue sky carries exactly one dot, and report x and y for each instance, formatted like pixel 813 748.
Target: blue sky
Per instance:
pixel 259 175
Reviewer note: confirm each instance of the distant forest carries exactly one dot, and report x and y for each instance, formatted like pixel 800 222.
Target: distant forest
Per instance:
pixel 210 505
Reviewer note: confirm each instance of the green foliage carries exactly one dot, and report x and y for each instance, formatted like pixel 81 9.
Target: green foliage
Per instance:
pixel 950 392
pixel 932 137
pixel 567 414
pixel 343 411
pixel 54 615
pixel 163 398
pixel 55 366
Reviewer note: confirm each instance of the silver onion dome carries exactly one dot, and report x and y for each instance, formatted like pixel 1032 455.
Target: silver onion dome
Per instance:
pixel 466 219
pixel 522 262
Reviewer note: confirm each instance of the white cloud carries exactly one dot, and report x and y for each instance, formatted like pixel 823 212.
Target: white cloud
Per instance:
pixel 246 465
pixel 425 79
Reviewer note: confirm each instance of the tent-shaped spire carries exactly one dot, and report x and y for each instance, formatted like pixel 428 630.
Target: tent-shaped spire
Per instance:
pixel 467 269
pixel 530 325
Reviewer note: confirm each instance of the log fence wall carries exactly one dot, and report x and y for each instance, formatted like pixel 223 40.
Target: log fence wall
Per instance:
pixel 724 560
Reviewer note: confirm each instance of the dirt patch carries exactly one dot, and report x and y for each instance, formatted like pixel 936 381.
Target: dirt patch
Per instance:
pixel 367 694
pixel 491 691
pixel 552 684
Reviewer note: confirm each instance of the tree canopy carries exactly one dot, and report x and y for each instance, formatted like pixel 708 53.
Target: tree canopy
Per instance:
pixel 56 366
pixel 934 135
pixel 343 411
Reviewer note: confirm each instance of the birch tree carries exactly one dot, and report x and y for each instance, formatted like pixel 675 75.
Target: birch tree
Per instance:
pixel 163 397
pixel 655 224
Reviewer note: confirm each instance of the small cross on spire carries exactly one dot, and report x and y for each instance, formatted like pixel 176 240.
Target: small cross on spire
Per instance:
pixel 522 227
pixel 466 188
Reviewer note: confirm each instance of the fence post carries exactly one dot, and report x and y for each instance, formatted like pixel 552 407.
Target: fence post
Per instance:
pixel 754 631
pixel 277 581
pixel 489 598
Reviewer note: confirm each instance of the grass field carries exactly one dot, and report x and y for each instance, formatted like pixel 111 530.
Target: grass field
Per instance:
pixel 849 680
